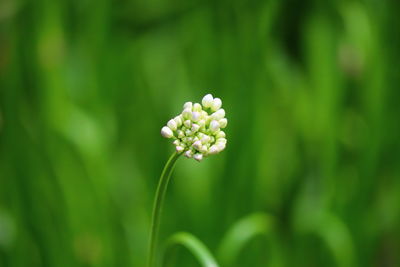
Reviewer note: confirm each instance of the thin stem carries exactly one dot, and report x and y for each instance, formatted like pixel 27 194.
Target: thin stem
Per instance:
pixel 158 203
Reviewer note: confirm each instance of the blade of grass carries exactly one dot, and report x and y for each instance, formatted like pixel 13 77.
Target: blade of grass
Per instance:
pixel 335 234
pixel 195 246
pixel 239 235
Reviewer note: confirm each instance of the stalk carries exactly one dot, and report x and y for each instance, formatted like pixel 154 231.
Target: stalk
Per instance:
pixel 158 203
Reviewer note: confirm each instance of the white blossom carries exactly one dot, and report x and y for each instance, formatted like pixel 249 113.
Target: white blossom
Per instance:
pixel 167 132
pixel 207 101
pixel 172 124
pixel 198 157
pixel 216 104
pixel 223 122
pixel 197 130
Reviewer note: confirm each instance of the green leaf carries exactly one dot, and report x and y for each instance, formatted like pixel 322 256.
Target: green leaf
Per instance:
pixel 239 235
pixel 194 245
pixel 337 237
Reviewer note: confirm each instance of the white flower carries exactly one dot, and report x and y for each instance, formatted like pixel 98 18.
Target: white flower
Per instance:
pixel 216 104
pixel 207 101
pixel 219 114
pixel 179 149
pixel 167 132
pixel 197 130
pixel 223 122
pixel 198 157
pixel 214 126
pixel 172 124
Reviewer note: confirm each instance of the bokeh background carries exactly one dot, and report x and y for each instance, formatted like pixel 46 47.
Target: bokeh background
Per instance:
pixel 311 90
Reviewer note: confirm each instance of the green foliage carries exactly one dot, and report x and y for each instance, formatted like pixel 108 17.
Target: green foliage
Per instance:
pixel 311 89
pixel 195 246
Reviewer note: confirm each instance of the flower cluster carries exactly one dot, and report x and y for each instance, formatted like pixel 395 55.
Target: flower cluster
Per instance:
pixel 197 130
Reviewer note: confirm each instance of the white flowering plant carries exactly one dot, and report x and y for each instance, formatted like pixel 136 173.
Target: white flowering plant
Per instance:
pixel 197 131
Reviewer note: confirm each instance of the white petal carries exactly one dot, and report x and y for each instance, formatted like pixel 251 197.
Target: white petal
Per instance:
pixel 188 105
pixel 216 104
pixel 187 113
pixel 188 123
pixel 201 123
pixel 198 157
pixel 221 134
pixel 172 124
pixel 195 127
pixel 221 146
pixel 213 150
pixel 188 154
pixel 195 116
pixel 219 114
pixel 206 139
pixel 166 132
pixel 223 122
pixel 178 120
pixel 196 107
pixel 221 140
pixel 188 132
pixel 181 134
pixel 207 101
pixel 214 126
pixel 179 149
pixel 197 145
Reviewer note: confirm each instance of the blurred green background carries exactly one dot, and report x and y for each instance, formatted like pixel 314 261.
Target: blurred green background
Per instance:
pixel 311 91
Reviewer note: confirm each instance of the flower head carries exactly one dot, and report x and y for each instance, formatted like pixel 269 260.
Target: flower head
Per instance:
pixel 197 130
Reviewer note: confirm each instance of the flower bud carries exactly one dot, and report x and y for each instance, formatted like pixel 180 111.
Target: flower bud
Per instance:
pixel 179 149
pixel 188 105
pixel 189 154
pixel 195 116
pixel 188 132
pixel 216 104
pixel 181 134
pixel 223 122
pixel 197 145
pixel 195 127
pixel 214 126
pixel 221 140
pixel 172 124
pixel 206 139
pixel 166 132
pixel 219 114
pixel 197 107
pixel 221 146
pixel 198 157
pixel 220 134
pixel 178 120
pixel 213 150
pixel 201 123
pixel 188 123
pixel 176 143
pixel 187 113
pixel 207 101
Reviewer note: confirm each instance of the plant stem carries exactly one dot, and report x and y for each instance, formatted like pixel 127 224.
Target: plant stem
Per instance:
pixel 158 203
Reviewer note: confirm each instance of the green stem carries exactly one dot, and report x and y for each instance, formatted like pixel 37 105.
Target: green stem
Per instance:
pixel 158 203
